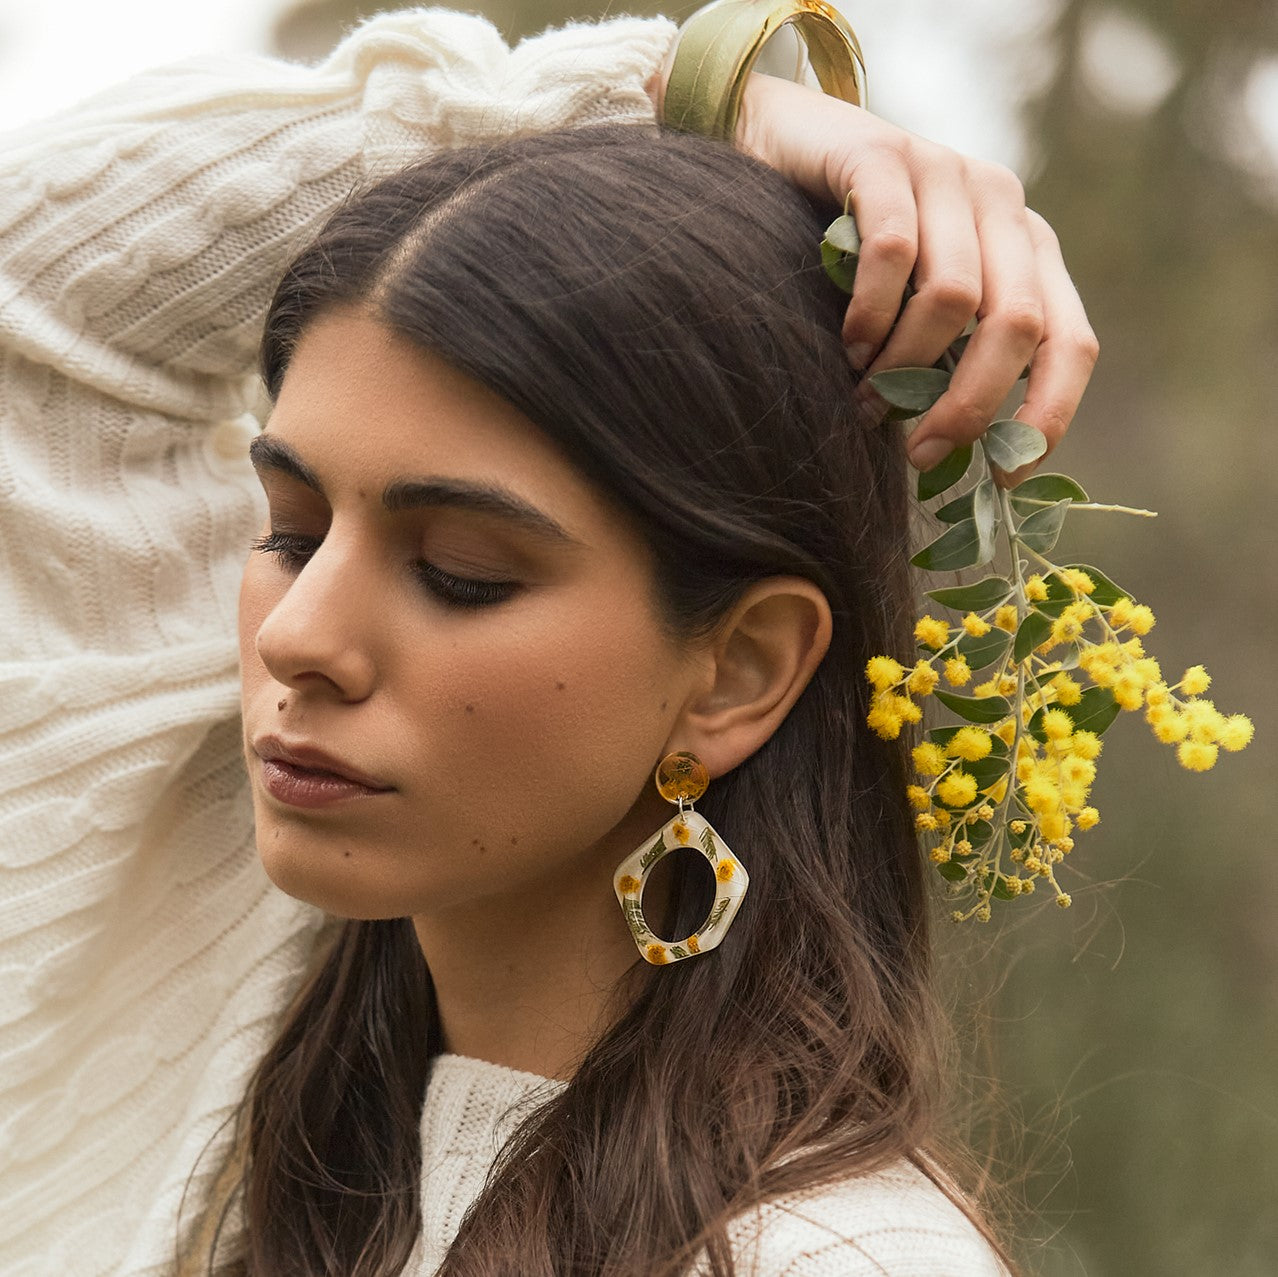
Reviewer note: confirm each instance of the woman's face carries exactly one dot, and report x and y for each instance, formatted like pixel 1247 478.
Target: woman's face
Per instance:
pixel 447 609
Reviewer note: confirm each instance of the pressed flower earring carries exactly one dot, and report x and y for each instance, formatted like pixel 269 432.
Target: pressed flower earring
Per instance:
pixel 681 779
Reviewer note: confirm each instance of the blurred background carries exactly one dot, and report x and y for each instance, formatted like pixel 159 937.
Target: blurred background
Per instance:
pixel 1134 1038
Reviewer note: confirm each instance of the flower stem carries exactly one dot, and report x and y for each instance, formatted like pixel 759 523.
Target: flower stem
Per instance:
pixel 1094 505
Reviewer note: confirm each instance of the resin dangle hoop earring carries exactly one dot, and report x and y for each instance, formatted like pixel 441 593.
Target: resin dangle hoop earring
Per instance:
pixel 681 779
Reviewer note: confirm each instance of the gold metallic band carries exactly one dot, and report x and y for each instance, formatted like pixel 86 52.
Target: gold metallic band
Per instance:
pixel 717 47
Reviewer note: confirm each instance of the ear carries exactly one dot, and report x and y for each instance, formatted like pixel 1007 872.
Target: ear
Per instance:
pixel 759 661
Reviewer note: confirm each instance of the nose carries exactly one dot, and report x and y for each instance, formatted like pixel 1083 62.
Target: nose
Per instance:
pixel 319 639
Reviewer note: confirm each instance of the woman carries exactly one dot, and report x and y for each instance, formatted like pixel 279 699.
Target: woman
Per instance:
pixel 150 959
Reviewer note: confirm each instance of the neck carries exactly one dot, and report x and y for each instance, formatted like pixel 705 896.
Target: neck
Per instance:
pixel 531 982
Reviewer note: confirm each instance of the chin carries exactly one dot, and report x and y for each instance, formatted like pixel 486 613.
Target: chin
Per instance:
pixel 336 879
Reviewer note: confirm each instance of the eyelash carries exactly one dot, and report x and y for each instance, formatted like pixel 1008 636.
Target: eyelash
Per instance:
pixel 294 552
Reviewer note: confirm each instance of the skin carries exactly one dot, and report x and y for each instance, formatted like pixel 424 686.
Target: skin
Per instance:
pixel 957 230
pixel 519 737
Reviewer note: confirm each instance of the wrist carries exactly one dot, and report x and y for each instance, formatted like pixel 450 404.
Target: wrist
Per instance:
pixel 657 82
pixel 711 62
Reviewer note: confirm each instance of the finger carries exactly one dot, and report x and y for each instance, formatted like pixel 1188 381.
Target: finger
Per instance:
pixel 1063 363
pixel 887 219
pixel 947 276
pixel 1009 328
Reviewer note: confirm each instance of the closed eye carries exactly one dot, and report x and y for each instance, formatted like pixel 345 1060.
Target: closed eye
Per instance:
pixel 293 552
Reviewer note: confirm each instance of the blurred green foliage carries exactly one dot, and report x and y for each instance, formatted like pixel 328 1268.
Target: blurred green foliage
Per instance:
pixel 1136 1035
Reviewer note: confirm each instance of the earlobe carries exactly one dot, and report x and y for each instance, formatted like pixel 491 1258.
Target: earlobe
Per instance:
pixel 763 657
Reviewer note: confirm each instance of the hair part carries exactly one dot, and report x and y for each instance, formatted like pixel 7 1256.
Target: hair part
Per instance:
pixel 654 303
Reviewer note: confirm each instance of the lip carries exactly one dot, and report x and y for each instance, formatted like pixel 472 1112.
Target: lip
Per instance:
pixel 312 759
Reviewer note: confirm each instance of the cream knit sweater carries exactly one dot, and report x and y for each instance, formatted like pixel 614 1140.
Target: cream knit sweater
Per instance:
pixel 144 956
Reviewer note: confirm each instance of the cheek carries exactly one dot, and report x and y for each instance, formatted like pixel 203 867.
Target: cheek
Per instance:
pixel 558 719
pixel 259 593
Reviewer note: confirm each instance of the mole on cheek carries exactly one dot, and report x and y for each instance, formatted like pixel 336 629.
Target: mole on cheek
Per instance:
pixel 470 709
pixel 559 687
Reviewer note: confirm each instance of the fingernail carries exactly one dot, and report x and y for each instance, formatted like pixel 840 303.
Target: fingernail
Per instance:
pixel 929 453
pixel 860 354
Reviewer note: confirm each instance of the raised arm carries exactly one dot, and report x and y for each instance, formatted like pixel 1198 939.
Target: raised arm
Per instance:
pixel 144 957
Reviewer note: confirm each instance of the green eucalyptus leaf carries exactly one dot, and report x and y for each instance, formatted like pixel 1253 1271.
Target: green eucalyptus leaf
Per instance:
pixel 1059 596
pixel 999 890
pixel 984 650
pixel 958 547
pixel 1044 487
pixel 976 709
pixel 842 233
pixel 1011 444
pixel 839 266
pixel 1061 660
pixel 1095 711
pixel 985 512
pixel 1106 592
pixel 957 510
pixel 989 771
pixel 979 597
pixel 979 832
pixel 934 481
pixel 952 871
pixel 913 390
pixel 1032 631
pixel 1040 530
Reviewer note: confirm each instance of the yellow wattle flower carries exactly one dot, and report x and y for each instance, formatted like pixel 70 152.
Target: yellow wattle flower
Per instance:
pixel 957 671
pixel 1006 618
pixel 929 759
pixel 957 789
pixel 883 672
pixel 1196 681
pixel 923 678
pixel 1077 580
pixel 1171 728
pixel 1142 620
pixel 1237 732
pixel 918 797
pixel 1041 796
pixel 1057 725
pixel 1196 756
pixel 970 744
pixel 1067 691
pixel 931 632
pixel 975 626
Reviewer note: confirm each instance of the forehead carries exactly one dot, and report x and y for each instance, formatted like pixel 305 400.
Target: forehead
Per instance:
pixel 364 407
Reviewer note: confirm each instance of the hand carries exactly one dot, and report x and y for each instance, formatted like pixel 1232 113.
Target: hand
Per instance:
pixel 959 231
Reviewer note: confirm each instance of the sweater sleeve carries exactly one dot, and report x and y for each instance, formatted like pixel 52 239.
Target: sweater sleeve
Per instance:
pixel 892 1222
pixel 144 957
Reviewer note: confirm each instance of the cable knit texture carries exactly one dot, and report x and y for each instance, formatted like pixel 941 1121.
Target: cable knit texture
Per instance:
pixel 144 957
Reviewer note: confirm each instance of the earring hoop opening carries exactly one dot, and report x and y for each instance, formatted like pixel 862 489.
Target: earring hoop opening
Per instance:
pixel 687 828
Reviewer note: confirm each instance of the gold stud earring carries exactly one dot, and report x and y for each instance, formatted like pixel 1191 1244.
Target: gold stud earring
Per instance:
pixel 681 779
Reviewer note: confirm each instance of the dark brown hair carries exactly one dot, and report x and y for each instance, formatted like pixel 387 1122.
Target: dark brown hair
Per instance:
pixel 654 303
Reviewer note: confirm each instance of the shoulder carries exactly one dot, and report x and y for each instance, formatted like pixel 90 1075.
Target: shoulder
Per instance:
pixel 893 1222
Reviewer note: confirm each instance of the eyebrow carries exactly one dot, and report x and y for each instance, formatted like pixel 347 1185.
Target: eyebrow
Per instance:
pixel 269 453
